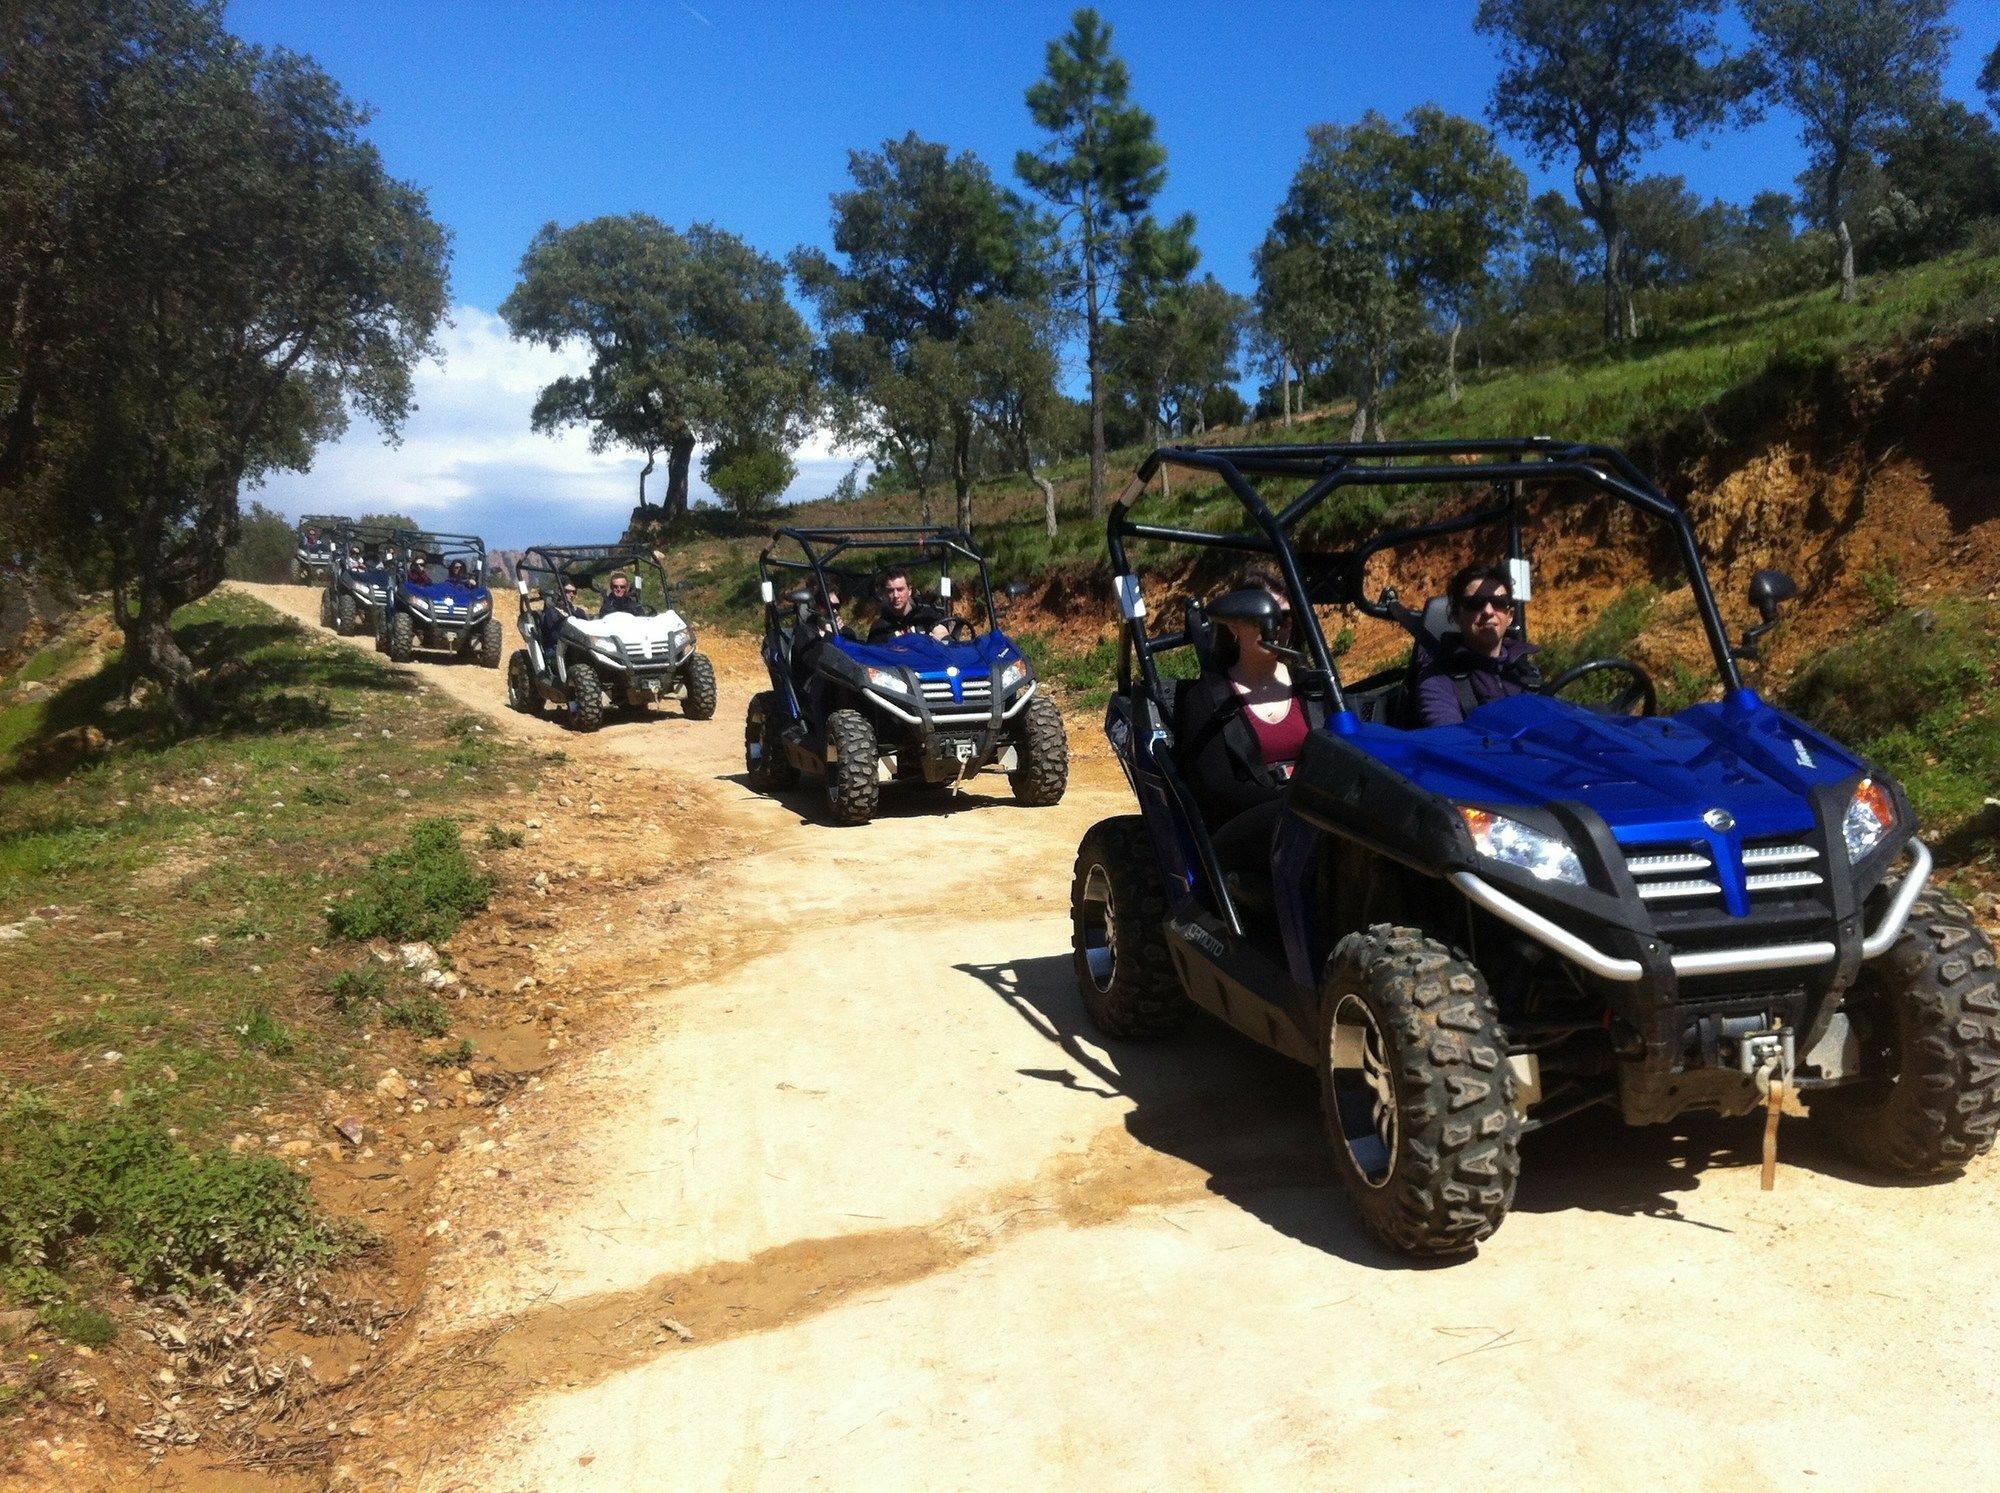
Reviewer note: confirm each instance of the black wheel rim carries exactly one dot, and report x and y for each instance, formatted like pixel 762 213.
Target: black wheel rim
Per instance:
pixel 1099 927
pixel 1364 1090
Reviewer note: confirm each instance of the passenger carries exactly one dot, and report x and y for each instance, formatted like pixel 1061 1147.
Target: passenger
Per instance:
pixel 456 573
pixel 903 613
pixel 1239 729
pixel 561 607
pixel 419 574
pixel 622 598
pixel 354 564
pixel 1484 663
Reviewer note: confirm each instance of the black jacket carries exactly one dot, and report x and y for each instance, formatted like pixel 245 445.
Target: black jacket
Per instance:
pixel 922 617
pixel 629 604
pixel 1216 749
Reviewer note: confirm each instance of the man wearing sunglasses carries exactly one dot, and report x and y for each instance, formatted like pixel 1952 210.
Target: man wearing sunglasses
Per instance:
pixel 621 598
pixel 1482 663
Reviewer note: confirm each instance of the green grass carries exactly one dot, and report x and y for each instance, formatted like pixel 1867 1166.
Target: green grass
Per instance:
pixel 186 978
pixel 422 891
pixel 1919 693
pixel 119 1189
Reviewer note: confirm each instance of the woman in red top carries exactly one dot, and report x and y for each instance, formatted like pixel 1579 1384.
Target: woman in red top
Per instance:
pixel 1238 730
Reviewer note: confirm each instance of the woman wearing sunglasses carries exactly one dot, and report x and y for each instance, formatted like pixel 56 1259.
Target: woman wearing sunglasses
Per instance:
pixel 1483 663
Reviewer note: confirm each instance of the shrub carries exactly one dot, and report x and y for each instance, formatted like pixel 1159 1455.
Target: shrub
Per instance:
pixel 353 989
pixel 260 1031
pixel 172 1219
pixel 422 892
pixel 422 1013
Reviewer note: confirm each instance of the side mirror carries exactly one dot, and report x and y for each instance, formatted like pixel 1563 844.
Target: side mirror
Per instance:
pixel 767 591
pixel 638 584
pixel 944 588
pixel 522 584
pixel 1767 589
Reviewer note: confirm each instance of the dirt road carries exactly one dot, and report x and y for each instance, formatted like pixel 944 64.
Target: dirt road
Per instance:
pixel 867 1205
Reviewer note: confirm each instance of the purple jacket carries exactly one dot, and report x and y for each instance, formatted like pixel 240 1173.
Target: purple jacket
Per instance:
pixel 1488 679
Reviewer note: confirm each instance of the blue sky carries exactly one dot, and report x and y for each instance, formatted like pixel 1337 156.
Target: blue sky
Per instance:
pixel 512 114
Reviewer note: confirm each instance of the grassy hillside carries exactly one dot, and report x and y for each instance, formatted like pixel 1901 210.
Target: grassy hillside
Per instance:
pixel 1715 379
pixel 1843 441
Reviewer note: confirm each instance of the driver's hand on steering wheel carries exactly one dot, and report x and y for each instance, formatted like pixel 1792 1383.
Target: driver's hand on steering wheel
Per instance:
pixel 942 632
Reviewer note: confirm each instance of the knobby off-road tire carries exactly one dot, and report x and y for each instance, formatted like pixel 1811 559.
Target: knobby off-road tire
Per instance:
pixel 765 765
pixel 699 703
pixel 346 615
pixel 492 642
pixel 521 693
pixel 401 635
pixel 1042 747
pixel 326 609
pixel 851 787
pixel 1118 939
pixel 1418 1096
pixel 1936 1000
pixel 586 698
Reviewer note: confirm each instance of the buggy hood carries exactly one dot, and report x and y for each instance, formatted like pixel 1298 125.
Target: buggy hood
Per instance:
pixel 627 628
pixel 1650 779
pixel 926 655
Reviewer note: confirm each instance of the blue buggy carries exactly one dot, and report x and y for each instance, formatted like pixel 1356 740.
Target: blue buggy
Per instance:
pixel 439 601
pixel 312 552
pixel 1473 930
pixel 907 708
pixel 359 578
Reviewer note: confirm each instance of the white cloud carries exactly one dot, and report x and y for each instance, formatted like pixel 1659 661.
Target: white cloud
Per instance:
pixel 468 459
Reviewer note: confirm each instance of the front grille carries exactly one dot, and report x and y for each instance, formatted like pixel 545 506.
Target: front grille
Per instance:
pixel 973 693
pixel 1684 877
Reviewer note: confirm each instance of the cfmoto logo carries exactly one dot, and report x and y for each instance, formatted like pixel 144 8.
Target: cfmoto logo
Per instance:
pixel 1719 820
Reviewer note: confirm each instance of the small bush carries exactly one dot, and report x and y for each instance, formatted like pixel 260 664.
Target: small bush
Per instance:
pixel 504 839
pixel 422 892
pixel 259 1031
pixel 122 1189
pixel 78 1323
pixel 355 989
pixel 422 1013
pixel 451 1057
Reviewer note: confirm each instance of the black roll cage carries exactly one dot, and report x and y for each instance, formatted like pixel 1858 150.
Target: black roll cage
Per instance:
pixel 326 523
pixel 1340 576
pixel 558 562
pixel 924 538
pixel 447 547
pixel 384 536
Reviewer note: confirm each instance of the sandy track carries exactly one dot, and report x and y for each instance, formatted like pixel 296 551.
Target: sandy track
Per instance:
pixel 925 1231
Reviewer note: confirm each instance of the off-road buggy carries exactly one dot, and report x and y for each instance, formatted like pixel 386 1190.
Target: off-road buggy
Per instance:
pixel 912 708
pixel 366 558
pixel 312 554
pixel 587 659
pixel 446 614
pixel 1474 930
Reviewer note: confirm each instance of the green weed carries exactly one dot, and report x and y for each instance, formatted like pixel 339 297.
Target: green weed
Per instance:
pixel 420 892
pixel 78 1323
pixel 355 990
pixel 121 1189
pixel 421 1013
pixel 259 1031
pixel 497 838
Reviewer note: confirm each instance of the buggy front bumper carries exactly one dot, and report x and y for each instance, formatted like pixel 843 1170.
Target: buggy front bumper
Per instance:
pixel 1749 959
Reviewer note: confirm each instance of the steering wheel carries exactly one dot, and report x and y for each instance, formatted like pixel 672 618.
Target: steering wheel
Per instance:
pixel 1640 692
pixel 957 629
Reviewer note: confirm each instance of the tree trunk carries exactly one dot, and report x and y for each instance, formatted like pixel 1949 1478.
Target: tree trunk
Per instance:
pixel 680 451
pixel 1614 297
pixel 1094 334
pixel 152 654
pixel 1451 390
pixel 1847 286
pixel 961 473
pixel 645 472
pixel 1288 393
pixel 1048 495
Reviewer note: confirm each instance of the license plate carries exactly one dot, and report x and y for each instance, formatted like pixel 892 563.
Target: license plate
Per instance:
pixel 963 750
pixel 450 637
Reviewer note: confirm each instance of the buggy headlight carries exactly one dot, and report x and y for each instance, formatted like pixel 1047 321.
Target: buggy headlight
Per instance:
pixel 887 679
pixel 1512 843
pixel 1014 673
pixel 480 608
pixel 418 604
pixel 1870 816
pixel 606 646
